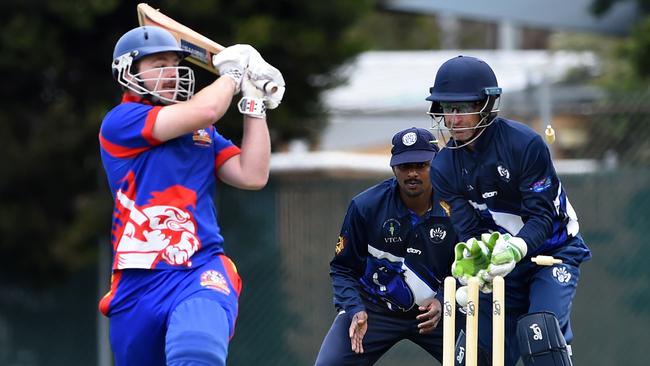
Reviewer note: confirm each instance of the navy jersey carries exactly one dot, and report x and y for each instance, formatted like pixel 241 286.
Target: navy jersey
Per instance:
pixel 507 183
pixel 387 257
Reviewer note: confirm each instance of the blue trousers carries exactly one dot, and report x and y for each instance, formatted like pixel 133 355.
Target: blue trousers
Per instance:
pixel 384 331
pixel 532 288
pixel 174 317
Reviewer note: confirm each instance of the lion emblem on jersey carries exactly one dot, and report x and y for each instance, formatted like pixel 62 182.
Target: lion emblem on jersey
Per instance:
pixel 163 229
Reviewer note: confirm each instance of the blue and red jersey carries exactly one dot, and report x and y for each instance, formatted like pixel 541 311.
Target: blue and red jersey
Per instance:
pixel 164 215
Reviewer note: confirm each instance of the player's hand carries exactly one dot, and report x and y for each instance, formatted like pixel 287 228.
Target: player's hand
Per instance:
pixel 252 101
pixel 265 77
pixel 430 317
pixel 232 62
pixel 507 251
pixel 470 258
pixel 358 328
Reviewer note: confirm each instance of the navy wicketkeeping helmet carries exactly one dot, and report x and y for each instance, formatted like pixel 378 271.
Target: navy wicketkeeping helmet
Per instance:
pixel 144 41
pixel 464 85
pixel 464 79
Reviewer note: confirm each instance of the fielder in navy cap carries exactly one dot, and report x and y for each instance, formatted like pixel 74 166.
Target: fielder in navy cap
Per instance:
pixel 395 244
pixel 413 145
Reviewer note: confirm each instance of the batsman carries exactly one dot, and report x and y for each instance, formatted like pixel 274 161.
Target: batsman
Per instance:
pixel 507 205
pixel 174 292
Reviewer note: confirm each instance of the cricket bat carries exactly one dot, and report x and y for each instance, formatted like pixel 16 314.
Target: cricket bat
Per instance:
pixel 201 49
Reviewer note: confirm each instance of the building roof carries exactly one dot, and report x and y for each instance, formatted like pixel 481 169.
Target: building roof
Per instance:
pixel 572 15
pixel 386 91
pixel 376 164
pixel 384 81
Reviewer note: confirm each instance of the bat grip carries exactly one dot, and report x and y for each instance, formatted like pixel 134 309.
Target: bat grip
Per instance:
pixel 268 86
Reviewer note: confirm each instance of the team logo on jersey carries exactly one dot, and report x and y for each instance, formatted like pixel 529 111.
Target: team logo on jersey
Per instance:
pixel 162 229
pixel 561 275
pixel 340 245
pixel 215 280
pixel 541 185
pixel 201 138
pixel 504 173
pixel 445 206
pixel 438 233
pixel 391 228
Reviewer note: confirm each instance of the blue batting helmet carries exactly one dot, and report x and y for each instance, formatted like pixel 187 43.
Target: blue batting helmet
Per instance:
pixel 144 41
pixel 147 40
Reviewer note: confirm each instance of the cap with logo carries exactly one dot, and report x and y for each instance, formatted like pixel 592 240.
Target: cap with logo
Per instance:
pixel 413 145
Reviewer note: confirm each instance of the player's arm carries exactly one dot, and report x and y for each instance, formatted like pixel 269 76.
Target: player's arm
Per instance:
pixel 250 168
pixel 211 103
pixel 205 108
pixel 348 264
pixel 539 187
pixel 346 268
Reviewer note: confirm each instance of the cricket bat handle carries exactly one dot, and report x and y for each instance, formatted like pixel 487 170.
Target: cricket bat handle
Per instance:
pixel 267 86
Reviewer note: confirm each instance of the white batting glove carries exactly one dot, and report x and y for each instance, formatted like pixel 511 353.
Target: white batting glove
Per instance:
pixel 252 101
pixel 267 78
pixel 232 62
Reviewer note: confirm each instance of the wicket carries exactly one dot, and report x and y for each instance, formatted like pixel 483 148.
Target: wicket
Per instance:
pixel 471 327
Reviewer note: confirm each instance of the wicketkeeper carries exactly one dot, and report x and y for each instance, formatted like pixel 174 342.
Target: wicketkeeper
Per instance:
pixel 507 204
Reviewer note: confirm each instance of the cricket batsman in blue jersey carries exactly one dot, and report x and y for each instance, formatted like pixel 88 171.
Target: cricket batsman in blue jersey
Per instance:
pixel 393 252
pixel 174 293
pixel 505 197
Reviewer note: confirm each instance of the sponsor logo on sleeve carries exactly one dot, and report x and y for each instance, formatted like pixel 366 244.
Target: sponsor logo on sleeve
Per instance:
pixel 445 206
pixel 541 185
pixel 340 244
pixel 201 138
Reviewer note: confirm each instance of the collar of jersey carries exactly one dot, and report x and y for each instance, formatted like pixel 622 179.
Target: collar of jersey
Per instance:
pixel 130 98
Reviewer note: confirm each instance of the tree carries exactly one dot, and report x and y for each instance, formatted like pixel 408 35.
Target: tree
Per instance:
pixel 54 203
pixel 620 120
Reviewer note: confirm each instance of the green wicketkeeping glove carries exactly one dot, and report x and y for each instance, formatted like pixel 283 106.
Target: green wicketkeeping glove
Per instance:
pixel 506 252
pixel 470 258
